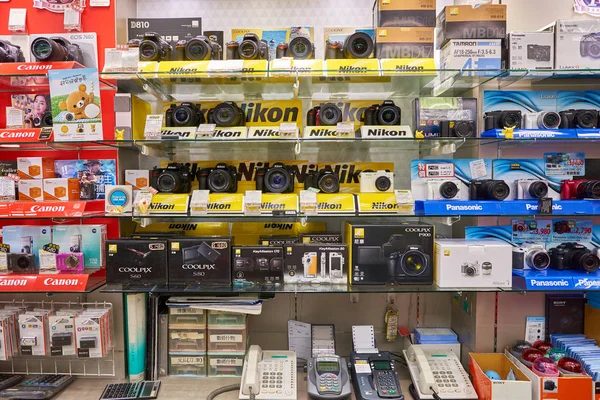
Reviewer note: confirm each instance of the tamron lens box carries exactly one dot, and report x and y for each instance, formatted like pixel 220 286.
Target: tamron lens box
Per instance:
pixel 404 42
pixel 390 254
pixel 258 264
pixel 467 22
pixel 200 260
pixel 132 261
pixel 394 13
pixel 316 263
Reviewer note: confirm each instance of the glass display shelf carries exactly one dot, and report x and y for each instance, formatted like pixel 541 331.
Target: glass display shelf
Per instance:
pixel 85 281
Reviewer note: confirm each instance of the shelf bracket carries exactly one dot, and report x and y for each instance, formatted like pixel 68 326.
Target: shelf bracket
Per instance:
pixel 296 86
pixel 448 221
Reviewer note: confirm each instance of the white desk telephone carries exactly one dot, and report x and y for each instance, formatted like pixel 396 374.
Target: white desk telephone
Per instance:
pixel 439 370
pixel 269 375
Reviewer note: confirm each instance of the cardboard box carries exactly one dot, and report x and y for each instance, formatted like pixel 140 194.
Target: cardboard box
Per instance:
pixel 488 389
pixel 485 55
pixel 31 189
pixel 530 50
pixel 27 239
pixel 35 167
pixel 316 263
pixel 200 260
pixel 429 111
pixel 307 238
pixel 277 240
pixel 467 22
pixel 481 263
pixel 577 43
pixel 138 178
pixel 392 13
pixel 87 239
pixel 140 262
pixel 339 35
pixel 404 42
pixel 258 264
pixel 63 189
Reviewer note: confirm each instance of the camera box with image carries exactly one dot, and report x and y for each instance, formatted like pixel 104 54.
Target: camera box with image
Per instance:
pixel 27 239
pixel 86 239
pixel 468 22
pixel 133 261
pixel 390 254
pixel 481 263
pixel 139 179
pixel 35 167
pixel 530 50
pixel 349 43
pixel 446 116
pixel 316 263
pixel 171 30
pixel 413 42
pixel 258 265
pixel 471 55
pixel 77 46
pixel 62 189
pixel 394 13
pixel 31 189
pixel 200 260
pixel 577 43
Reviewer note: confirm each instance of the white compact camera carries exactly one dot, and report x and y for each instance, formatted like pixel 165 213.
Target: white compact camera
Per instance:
pixel 531 256
pixel 376 182
pixel 470 269
pixel 443 189
pixel 532 189
pixel 541 120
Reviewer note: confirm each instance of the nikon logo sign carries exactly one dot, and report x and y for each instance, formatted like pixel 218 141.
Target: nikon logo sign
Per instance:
pixel 257 113
pixel 329 207
pixel 324 133
pixel 380 205
pixel 410 68
pixel 162 207
pixel 228 134
pixel 264 133
pixel 272 206
pixel 374 133
pixel 349 69
pixel 218 207
pixel 183 70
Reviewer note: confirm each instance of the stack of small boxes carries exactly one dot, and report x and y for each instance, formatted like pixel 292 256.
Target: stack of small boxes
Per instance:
pixel 187 341
pixel 227 343
pixel 32 171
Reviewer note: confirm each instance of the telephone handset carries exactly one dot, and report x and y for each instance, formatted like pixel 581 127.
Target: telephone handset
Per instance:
pixel 269 375
pixel 438 371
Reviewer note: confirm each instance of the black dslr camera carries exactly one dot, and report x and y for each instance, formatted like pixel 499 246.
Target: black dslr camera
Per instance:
pixel 251 48
pixel 457 128
pixel 582 119
pixel 324 180
pixel 199 48
pixel 154 48
pixel 226 114
pixel 502 119
pixel 185 114
pixel 590 45
pixel 222 178
pixel 488 189
pixel 357 45
pixel 386 113
pixel 176 178
pixel 326 115
pixel 276 179
pixel 299 48
pixel 56 49
pixel 573 256
pixel 538 53
pixel 10 52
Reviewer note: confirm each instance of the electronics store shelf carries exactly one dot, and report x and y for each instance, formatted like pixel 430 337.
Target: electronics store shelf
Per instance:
pixel 62 282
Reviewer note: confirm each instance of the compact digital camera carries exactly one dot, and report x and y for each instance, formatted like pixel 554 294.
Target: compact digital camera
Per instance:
pixel 10 52
pixel 299 48
pixel 199 254
pixel 502 119
pixel 386 113
pixel 541 120
pixel 176 178
pixel 573 256
pixel 357 45
pixel 443 189
pixel 21 262
pixel 184 114
pixel 375 182
pixel 250 48
pixel 227 114
pixel 324 180
pixel 579 119
pixel 154 48
pixel 538 52
pixel 56 49
pixel 573 189
pixel 326 115
pixel 590 45
pixel 222 178
pixel 276 179
pixel 488 189
pixel 198 48
pixel 69 262
pixel 531 189
pixel 531 256
pixel 470 268
pixel 457 128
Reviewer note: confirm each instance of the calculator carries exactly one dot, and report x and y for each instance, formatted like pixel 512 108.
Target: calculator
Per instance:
pixel 134 390
pixel 38 387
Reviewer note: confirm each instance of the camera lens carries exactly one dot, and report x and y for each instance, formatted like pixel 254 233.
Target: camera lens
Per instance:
pixel 448 190
pixel 463 129
pixel 168 182
pixel 589 190
pixel 329 183
pixel 23 262
pixel 541 54
pixel 383 183
pixel 511 119
pixel 586 119
pixel 197 49
pixel 277 180
pixel 538 190
pixel 46 119
pixel 72 262
pixel 149 51
pixel 248 50
pixel 549 120
pixel 537 259
pixel 388 115
pixel 585 260
pixel 182 116
pixel 470 271
pixel 413 263
pixel 330 114
pixel 45 49
pixel 358 45
pixel 219 181
pixel 227 114
pixel 594 50
pixel 498 190
pixel 300 48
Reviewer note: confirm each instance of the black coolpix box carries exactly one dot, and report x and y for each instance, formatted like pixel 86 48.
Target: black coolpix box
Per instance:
pixel 200 260
pixel 257 264
pixel 277 240
pixel 390 254
pixel 308 238
pixel 316 263
pixel 133 261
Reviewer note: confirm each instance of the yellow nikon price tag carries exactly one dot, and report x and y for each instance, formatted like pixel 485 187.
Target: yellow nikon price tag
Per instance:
pixel 377 203
pixel 356 67
pixel 407 66
pixel 279 203
pixel 225 203
pixel 169 204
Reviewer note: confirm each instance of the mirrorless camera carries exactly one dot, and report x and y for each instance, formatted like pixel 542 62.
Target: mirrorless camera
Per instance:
pixel 590 45
pixel 56 49
pixel 10 52
pixel 357 45
pixel 21 262
pixel 375 182
pixel 176 178
pixel 541 120
pixel 199 48
pixel 276 179
pixel 443 189
pixel 502 119
pixel 227 114
pixel 531 189
pixel 488 189
pixel 324 180
pixel 457 128
pixel 69 262
pixel 222 178
pixel 582 119
pixel 573 256
pixel 531 256
pixel 184 114
pixel 386 113
pixel 326 115
pixel 154 48
pixel 470 269
pixel 250 48
pixel 299 48
pixel 573 189
pixel 538 52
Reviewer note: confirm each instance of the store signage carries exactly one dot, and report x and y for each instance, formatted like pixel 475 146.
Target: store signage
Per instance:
pixel 590 7
pixel 47 209
pixel 21 135
pixel 61 283
pixel 17 283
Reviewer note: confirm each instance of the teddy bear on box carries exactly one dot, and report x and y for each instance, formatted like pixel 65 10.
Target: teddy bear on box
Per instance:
pixel 80 105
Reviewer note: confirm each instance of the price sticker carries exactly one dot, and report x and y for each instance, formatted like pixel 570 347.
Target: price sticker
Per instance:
pixel 308 202
pixel 252 202
pixel 531 230
pixel 288 130
pixel 561 164
pixel 14 118
pixel 345 129
pixel 72 19
pixel 199 203
pixel 153 126
pixel 206 131
pixel 478 169
pixel 16 20
pixel 405 201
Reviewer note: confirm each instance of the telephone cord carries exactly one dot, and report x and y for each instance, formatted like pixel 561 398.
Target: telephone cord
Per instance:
pixel 413 392
pixel 226 389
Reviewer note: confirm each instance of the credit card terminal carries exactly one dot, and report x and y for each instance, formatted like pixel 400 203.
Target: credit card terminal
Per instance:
pixel 374 376
pixel 328 378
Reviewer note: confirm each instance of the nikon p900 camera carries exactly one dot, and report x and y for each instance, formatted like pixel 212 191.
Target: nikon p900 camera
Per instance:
pixel 176 178
pixel 185 114
pixel 251 48
pixel 10 52
pixel 277 179
pixel 154 48
pixel 222 178
pixel 199 48
pixel 357 45
pixel 56 49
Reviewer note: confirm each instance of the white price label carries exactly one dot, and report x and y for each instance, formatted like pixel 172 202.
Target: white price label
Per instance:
pixel 99 3
pixel 206 131
pixel 405 201
pixel 252 202
pixel 288 130
pixel 16 19
pixel 308 202
pixel 199 203
pixel 14 118
pixel 232 362
pixel 113 59
pixel 153 126
pixel 345 129
pixel 226 338
pixel 72 19
pixel 478 169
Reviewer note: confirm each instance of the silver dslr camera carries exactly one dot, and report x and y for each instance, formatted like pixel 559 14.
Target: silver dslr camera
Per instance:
pixel 531 256
pixel 443 189
pixel 532 189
